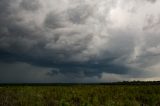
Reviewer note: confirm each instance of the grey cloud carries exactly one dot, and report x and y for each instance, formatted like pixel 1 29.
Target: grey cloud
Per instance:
pixel 83 39
pixel 79 14
pixel 152 1
pixel 30 5
pixel 54 20
pixel 152 22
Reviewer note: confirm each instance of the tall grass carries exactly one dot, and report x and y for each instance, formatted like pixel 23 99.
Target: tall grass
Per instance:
pixel 80 95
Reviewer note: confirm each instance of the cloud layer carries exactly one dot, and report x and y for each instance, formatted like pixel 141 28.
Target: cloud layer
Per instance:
pixel 85 39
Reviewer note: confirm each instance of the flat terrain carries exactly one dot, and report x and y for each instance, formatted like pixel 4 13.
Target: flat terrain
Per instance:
pixel 80 95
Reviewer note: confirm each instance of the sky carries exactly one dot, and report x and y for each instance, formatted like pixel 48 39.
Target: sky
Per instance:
pixel 69 41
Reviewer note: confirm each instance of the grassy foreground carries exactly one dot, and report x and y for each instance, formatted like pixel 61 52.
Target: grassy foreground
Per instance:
pixel 80 95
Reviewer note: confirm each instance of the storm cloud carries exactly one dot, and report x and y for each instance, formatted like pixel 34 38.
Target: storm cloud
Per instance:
pixel 80 40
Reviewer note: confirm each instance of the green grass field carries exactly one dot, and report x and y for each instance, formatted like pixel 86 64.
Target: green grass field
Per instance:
pixel 80 95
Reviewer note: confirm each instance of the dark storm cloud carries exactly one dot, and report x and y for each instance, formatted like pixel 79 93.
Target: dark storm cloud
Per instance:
pixel 80 39
pixel 90 69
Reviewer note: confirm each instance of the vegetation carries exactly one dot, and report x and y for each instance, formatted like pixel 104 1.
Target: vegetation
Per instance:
pixel 80 95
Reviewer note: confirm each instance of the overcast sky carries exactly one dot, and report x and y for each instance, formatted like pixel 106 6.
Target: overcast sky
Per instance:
pixel 79 40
